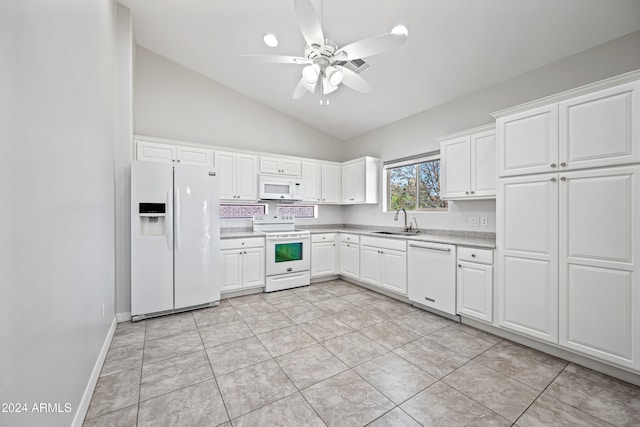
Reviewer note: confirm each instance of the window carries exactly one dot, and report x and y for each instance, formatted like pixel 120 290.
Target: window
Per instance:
pixel 414 184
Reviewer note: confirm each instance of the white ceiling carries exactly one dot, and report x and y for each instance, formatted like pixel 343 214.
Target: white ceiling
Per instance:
pixel 455 47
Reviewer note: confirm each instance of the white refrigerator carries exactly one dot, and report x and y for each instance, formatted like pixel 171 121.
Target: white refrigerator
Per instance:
pixel 175 238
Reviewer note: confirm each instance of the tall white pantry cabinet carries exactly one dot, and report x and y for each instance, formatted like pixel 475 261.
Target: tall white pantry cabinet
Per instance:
pixel 568 220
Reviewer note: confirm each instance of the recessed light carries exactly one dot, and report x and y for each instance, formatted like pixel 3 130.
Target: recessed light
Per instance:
pixel 270 40
pixel 400 29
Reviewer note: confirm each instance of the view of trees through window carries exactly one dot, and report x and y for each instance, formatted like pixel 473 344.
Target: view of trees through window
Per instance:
pixel 415 186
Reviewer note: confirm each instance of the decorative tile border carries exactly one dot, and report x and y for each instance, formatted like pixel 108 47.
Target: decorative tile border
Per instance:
pixel 242 211
pixel 299 211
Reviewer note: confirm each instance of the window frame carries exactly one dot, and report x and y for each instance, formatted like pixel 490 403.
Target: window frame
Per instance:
pixel 409 161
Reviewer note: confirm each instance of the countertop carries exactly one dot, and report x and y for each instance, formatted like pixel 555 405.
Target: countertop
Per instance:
pixel 451 237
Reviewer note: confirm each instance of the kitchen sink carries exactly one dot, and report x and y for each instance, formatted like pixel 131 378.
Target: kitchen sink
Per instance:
pixel 397 233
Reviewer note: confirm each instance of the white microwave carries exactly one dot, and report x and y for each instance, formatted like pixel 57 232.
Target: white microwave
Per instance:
pixel 275 187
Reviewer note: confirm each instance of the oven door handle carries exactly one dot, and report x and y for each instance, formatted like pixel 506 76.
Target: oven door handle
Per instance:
pixel 300 238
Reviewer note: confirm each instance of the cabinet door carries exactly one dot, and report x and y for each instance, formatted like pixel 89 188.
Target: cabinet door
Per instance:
pixel 290 167
pixel 231 269
pixel 311 182
pixel 193 156
pixel 370 265
pixel 330 183
pixel 358 190
pixel 394 271
pixel 347 184
pixel 528 142
pixel 225 169
pixel 599 277
pixel 455 168
pixel 253 273
pixel 527 241
pixel 155 152
pixel 350 260
pixel 483 164
pixel 246 177
pixel 323 259
pixel 601 128
pixel 475 291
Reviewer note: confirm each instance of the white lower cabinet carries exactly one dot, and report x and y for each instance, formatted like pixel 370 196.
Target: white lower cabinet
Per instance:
pixel 350 255
pixel 323 254
pixel 568 274
pixel 243 263
pixel 474 284
pixel 383 263
pixel 527 241
pixel 432 275
pixel 599 308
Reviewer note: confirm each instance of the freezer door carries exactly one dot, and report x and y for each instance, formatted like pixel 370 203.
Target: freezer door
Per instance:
pixel 196 236
pixel 151 238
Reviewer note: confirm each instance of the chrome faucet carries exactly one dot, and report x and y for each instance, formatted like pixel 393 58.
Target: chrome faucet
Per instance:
pixel 395 218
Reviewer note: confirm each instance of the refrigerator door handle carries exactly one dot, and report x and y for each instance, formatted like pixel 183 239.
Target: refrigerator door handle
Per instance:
pixel 177 224
pixel 169 220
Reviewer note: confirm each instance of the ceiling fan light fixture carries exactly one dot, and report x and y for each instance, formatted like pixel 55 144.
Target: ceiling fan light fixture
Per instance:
pixel 400 29
pixel 334 75
pixel 270 40
pixel 310 73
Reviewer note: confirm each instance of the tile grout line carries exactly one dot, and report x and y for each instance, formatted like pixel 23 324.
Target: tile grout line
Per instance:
pixel 215 378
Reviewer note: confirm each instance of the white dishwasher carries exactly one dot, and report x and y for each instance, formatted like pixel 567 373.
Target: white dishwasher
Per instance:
pixel 432 275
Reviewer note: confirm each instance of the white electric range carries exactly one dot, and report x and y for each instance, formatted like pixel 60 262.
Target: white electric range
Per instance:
pixel 288 252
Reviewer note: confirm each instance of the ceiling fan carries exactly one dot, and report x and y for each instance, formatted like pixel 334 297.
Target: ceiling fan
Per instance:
pixel 324 60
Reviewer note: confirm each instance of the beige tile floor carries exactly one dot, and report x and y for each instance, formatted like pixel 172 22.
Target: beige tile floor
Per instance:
pixel 337 354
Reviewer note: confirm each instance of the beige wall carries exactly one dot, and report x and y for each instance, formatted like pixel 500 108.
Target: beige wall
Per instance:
pixel 174 102
pixel 57 184
pixel 420 133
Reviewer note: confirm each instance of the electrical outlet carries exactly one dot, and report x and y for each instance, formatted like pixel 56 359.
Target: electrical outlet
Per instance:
pixel 473 221
pixel 102 312
pixel 484 221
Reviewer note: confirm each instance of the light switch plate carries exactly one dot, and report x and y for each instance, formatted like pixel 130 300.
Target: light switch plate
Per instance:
pixel 473 221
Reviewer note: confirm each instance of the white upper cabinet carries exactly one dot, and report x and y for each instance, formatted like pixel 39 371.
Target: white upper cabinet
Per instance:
pixel 321 182
pixel 468 164
pixel 238 174
pixel 599 277
pixel 360 180
pixel 331 183
pixel 601 128
pixel 596 129
pixel 528 142
pixel 280 166
pixel 151 151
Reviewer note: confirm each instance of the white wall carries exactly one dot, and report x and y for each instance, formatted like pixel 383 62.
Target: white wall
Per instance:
pixel 174 102
pixel 125 51
pixel 420 133
pixel 57 185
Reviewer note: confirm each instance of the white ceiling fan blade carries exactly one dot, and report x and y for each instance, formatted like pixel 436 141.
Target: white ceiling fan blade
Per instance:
pixel 302 88
pixel 275 59
pixel 309 22
pixel 327 87
pixel 354 81
pixel 370 46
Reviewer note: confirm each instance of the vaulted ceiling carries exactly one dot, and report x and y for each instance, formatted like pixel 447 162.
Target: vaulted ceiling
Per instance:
pixel 455 47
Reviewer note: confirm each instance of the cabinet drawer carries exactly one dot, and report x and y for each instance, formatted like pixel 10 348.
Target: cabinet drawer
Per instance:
pixel 483 256
pixel 398 245
pixel 349 238
pixel 247 242
pixel 323 237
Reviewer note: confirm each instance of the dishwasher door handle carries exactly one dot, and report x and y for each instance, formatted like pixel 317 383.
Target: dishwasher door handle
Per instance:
pixel 430 247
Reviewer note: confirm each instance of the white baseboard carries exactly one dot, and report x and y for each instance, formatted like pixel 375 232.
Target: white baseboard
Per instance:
pixel 123 317
pixel 81 413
